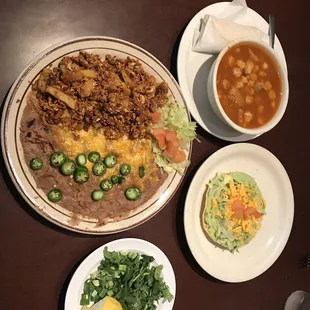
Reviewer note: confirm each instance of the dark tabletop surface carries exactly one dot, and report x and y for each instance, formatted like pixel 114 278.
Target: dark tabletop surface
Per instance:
pixel 37 258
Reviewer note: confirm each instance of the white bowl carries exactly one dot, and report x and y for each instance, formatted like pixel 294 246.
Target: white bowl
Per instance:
pixel 215 102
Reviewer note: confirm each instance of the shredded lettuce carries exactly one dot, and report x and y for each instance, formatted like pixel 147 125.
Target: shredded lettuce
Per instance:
pixel 174 117
pixel 166 164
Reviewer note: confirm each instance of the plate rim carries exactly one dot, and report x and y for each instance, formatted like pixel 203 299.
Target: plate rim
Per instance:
pixel 187 207
pixel 138 240
pixel 4 133
pixel 188 97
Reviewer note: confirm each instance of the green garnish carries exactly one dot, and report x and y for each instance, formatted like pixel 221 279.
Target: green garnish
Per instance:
pixel 130 278
pixel 174 117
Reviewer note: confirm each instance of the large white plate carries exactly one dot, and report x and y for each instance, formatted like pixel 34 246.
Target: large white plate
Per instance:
pixel 90 264
pixel 256 257
pixel 193 69
pixel 13 151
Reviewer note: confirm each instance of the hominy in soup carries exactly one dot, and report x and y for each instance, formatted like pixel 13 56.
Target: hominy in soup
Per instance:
pixel 249 85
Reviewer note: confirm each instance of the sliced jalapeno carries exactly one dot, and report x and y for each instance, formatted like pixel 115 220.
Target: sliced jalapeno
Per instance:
pixel 81 160
pixel 141 171
pixel 110 160
pixel 106 185
pixel 57 159
pixel 81 175
pixel 133 193
pixel 68 167
pixel 93 157
pixel 121 180
pixel 97 194
pixel 125 169
pixel 99 168
pixel 114 179
pixel 54 195
pixel 36 163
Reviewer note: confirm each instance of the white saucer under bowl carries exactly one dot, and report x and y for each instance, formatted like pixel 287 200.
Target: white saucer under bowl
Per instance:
pixel 193 69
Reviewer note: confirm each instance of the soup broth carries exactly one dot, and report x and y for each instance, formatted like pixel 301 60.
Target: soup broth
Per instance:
pixel 249 85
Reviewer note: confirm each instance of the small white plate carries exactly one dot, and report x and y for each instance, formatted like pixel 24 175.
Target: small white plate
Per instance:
pixel 90 264
pixel 193 69
pixel 256 257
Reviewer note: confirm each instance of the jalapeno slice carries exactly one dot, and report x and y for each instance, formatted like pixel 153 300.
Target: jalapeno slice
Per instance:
pixel 54 195
pixel 125 169
pixel 110 160
pixel 133 193
pixel 36 163
pixel 57 159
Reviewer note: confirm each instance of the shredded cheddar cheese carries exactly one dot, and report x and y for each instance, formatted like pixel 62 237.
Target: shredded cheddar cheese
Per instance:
pixel 238 192
pixel 232 187
pixel 234 209
pixel 136 153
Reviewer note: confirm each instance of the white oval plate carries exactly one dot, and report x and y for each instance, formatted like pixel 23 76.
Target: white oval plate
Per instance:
pixel 13 151
pixel 193 69
pixel 90 264
pixel 256 257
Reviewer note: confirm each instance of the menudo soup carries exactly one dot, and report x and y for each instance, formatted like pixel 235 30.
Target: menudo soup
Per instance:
pixel 249 85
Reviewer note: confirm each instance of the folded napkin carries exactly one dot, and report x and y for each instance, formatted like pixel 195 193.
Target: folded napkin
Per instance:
pixel 215 32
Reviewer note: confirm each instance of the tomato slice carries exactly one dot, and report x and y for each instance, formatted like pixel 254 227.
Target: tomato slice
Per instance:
pixel 156 116
pixel 238 208
pixel 179 156
pixel 172 148
pixel 161 141
pixel 171 136
pixel 158 131
pixel 249 212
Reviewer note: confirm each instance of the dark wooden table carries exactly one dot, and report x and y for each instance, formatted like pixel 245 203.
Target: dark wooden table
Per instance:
pixel 37 258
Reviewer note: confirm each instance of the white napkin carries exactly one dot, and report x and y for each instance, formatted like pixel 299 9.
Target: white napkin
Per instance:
pixel 215 32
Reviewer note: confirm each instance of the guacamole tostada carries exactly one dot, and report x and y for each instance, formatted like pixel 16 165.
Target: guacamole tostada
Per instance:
pixel 234 209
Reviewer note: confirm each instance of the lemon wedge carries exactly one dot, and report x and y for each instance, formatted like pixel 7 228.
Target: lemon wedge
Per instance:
pixel 107 303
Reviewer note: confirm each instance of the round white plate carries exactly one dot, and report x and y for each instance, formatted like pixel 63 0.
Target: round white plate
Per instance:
pixel 193 69
pixel 13 151
pixel 256 257
pixel 90 264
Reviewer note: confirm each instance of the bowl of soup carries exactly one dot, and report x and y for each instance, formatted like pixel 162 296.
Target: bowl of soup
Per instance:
pixel 248 86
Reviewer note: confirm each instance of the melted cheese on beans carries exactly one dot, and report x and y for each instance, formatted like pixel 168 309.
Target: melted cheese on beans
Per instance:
pixel 136 153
